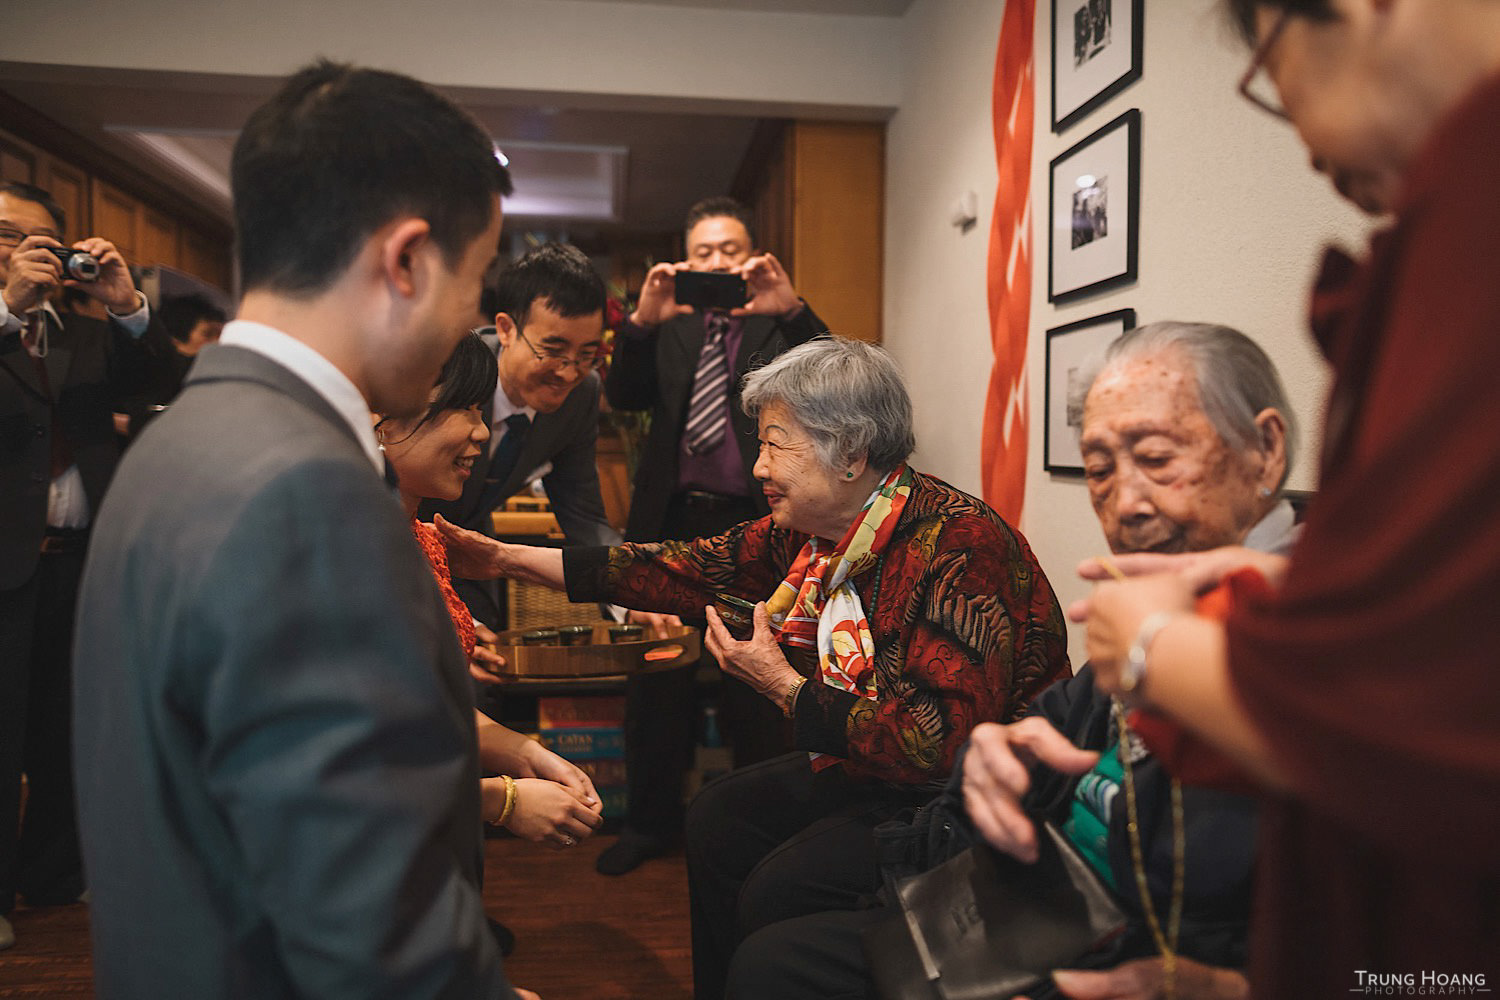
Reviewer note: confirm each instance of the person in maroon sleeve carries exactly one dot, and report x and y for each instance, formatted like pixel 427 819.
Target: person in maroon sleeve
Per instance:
pixel 894 614
pixel 1360 691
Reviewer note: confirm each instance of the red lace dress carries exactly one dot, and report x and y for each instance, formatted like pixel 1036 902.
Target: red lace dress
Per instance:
pixel 437 557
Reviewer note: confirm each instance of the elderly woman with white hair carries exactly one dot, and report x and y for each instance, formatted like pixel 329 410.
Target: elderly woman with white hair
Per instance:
pixel 894 614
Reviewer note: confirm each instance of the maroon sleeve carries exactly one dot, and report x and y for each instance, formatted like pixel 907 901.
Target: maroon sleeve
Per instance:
pixel 1372 673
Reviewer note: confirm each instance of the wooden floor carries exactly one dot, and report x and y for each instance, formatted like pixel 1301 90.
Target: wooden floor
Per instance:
pixel 580 934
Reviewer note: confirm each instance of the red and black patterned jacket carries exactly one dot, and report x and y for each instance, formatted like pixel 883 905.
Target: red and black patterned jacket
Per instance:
pixel 966 626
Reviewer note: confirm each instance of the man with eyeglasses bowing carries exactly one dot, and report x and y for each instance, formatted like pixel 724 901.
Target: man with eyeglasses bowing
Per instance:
pixel 544 418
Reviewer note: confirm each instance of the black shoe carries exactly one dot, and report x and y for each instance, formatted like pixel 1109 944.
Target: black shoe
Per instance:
pixel 504 937
pixel 63 893
pixel 628 851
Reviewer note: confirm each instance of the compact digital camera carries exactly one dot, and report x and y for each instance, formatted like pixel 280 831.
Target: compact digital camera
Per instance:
pixel 77 264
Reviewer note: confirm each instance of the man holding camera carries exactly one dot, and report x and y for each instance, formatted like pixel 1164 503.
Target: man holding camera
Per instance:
pixel 59 377
pixel 681 355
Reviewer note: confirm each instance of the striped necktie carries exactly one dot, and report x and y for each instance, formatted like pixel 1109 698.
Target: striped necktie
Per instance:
pixel 708 407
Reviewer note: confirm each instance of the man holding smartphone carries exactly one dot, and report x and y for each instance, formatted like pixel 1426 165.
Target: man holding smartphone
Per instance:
pixel 681 355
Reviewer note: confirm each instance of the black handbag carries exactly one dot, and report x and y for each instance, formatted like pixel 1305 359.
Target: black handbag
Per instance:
pixel 984 926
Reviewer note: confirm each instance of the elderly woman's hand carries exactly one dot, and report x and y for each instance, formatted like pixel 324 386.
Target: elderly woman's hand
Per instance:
pixel 1115 613
pixel 996 776
pixel 471 556
pixel 758 661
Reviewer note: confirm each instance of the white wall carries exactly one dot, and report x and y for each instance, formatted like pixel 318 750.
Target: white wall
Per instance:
pixel 677 56
pixel 1231 223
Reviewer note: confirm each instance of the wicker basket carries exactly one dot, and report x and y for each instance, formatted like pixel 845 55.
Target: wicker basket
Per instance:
pixel 530 605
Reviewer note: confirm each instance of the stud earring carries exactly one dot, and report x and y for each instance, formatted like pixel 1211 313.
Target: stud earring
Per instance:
pixel 1265 491
pixel 848 475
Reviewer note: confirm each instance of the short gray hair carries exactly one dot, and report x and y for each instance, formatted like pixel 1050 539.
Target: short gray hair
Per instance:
pixel 1235 378
pixel 848 394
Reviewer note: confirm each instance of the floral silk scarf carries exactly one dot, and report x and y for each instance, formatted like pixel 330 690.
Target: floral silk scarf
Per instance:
pixel 817 605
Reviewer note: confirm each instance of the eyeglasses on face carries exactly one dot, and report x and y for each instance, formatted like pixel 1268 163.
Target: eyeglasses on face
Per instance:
pixel 552 358
pixel 1255 85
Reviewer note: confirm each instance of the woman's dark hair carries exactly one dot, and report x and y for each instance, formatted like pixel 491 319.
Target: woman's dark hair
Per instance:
pixel 468 379
pixel 1242 13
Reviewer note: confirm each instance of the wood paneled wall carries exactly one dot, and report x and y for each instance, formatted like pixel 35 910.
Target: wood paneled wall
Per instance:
pixel 145 225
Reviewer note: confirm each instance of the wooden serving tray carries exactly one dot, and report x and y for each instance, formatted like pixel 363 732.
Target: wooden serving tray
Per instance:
pixel 601 658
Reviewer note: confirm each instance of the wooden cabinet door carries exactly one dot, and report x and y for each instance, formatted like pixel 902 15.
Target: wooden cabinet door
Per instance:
pixel 70 189
pixel 116 217
pixel 838 185
pixel 203 258
pixel 158 239
pixel 18 160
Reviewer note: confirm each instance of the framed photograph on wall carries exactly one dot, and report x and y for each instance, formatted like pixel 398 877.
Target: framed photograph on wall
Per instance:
pixel 1096 53
pixel 1093 211
pixel 1074 353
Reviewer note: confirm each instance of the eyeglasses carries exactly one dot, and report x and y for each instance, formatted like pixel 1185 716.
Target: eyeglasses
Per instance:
pixel 584 361
pixel 1256 80
pixel 11 237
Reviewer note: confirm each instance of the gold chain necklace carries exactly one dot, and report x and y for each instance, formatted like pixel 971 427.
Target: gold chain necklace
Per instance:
pixel 1165 943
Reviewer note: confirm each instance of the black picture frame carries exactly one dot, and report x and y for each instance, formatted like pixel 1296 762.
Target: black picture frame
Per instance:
pixel 1091 60
pixel 1074 352
pixel 1093 240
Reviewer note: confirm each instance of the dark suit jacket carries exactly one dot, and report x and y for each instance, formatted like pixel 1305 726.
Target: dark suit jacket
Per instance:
pixel 84 365
pixel 276 762
pixel 655 372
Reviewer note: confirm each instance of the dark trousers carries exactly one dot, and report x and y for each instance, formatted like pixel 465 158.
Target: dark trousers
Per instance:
pixel 661 712
pixel 41 859
pixel 820 956
pixel 775 841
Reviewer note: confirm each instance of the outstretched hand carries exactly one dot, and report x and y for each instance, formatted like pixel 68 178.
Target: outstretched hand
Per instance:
pixel 471 556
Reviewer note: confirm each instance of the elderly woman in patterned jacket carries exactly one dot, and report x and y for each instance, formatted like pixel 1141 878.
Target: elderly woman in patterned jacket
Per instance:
pixel 892 615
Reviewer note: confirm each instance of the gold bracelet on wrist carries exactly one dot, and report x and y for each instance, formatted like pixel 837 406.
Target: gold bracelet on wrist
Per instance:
pixel 510 800
pixel 789 703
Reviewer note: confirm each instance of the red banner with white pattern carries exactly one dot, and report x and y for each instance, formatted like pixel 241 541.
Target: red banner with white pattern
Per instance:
pixel 1006 411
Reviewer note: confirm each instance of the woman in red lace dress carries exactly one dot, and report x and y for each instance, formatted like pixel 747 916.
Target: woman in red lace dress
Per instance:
pixel 537 795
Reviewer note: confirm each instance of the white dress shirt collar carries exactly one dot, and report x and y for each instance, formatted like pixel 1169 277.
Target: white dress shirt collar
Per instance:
pixel 314 369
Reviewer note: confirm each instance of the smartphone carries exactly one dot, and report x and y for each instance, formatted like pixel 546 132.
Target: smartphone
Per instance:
pixel 711 289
